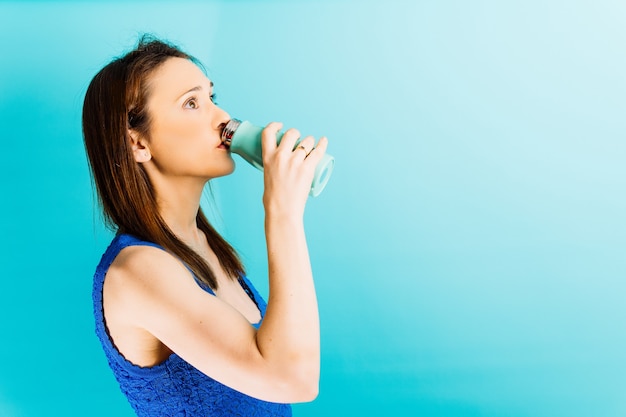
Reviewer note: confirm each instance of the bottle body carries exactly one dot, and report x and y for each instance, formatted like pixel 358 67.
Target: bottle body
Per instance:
pixel 244 139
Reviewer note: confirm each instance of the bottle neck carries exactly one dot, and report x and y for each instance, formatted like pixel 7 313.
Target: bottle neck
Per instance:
pixel 229 131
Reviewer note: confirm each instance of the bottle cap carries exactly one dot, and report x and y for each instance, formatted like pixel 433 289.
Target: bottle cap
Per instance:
pixel 229 131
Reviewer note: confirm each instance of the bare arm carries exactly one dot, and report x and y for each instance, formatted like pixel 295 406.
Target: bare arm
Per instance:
pixel 291 327
pixel 278 363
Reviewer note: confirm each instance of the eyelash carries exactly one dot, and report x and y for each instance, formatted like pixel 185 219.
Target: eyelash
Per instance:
pixel 189 101
pixel 195 100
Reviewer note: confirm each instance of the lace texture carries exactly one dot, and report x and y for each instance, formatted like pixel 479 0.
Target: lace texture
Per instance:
pixel 174 388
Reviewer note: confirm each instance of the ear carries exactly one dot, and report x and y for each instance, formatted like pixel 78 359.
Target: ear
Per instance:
pixel 140 148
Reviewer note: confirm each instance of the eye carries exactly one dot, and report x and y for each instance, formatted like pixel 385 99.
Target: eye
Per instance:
pixel 214 98
pixel 192 103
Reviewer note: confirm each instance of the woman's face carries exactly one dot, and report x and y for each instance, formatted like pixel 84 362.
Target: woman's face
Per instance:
pixel 186 125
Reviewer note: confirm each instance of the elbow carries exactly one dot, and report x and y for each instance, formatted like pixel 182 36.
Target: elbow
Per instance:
pixel 302 383
pixel 293 378
pixel 308 378
pixel 312 393
pixel 303 390
pixel 308 391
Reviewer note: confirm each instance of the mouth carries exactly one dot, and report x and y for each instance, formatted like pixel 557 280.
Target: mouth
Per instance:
pixel 222 146
pixel 228 131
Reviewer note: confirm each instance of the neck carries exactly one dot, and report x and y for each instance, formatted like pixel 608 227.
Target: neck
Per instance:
pixel 179 203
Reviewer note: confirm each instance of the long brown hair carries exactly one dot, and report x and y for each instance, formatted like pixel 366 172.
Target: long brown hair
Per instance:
pixel 114 102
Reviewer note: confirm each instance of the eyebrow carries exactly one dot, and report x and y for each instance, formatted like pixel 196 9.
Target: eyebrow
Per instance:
pixel 196 88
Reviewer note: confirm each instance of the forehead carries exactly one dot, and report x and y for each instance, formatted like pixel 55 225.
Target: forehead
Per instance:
pixel 175 76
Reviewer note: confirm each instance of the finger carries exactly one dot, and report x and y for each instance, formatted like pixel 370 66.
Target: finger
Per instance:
pixel 268 136
pixel 289 139
pixel 306 144
pixel 301 151
pixel 316 154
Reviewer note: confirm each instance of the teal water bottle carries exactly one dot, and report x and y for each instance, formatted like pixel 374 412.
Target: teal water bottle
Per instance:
pixel 244 139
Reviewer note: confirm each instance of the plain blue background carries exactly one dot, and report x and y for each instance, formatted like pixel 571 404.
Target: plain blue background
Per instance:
pixel 469 250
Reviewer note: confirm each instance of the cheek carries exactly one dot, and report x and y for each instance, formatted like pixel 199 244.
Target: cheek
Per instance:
pixel 185 144
pixel 178 138
pixel 176 133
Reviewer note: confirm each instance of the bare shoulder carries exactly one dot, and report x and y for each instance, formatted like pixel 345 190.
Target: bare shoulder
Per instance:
pixel 142 274
pixel 139 263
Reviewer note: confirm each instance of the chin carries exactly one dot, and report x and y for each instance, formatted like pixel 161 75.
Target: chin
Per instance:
pixel 224 170
pixel 231 167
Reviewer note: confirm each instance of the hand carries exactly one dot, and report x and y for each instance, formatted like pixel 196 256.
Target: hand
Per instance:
pixel 288 169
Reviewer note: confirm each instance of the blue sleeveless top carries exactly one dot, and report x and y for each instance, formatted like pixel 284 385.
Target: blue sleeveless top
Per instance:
pixel 173 388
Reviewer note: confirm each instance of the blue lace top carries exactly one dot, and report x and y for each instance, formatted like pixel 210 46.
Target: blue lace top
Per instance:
pixel 173 388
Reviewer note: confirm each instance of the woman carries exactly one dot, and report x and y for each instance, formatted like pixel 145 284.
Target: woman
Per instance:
pixel 184 331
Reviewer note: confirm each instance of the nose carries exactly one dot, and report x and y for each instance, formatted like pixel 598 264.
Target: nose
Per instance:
pixel 220 118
